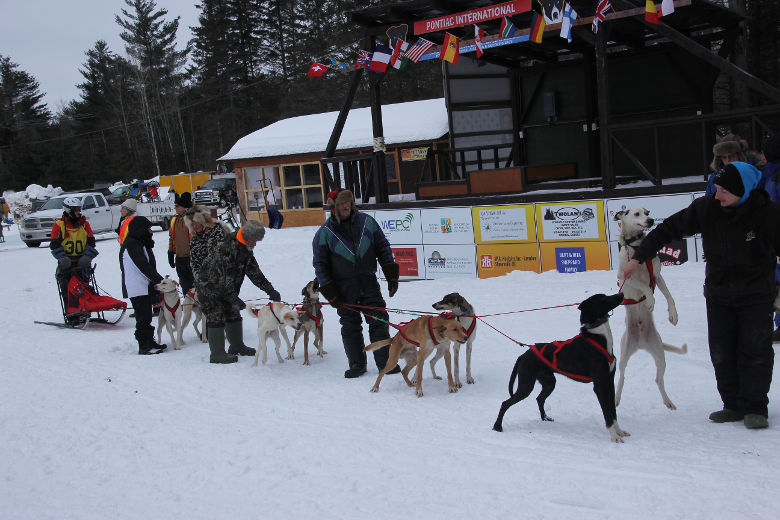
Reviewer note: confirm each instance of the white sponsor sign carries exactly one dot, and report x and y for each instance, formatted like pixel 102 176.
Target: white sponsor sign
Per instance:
pixel 502 224
pixel 400 226
pixel 450 260
pixel 447 226
pixel 660 207
pixel 575 221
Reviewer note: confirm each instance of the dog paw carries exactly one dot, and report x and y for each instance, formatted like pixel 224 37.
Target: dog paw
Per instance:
pixel 176 348
pixel 470 380
pixel 374 389
pixel 453 389
pixel 673 316
pixel 670 405
pixel 459 384
pixel 290 356
pixel 497 427
pixel 307 363
pixel 419 393
pixel 437 377
pixel 548 418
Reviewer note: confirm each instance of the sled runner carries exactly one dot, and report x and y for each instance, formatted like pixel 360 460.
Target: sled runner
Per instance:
pixel 82 304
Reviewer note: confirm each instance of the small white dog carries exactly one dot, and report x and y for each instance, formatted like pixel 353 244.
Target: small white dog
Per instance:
pixel 271 320
pixel 639 302
pixel 192 307
pixel 170 311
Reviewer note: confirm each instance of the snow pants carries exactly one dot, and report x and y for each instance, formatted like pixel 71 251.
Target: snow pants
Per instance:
pixel 740 338
pixel 362 291
pixel 219 310
pixel 144 332
pixel 184 272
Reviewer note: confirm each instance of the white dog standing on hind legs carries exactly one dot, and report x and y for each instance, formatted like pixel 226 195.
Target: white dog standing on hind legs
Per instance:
pixel 640 301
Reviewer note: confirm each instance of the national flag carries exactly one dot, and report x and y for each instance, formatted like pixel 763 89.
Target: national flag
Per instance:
pixel 450 49
pixel 569 15
pixel 508 29
pixel 316 70
pixel 417 50
pixel 651 15
pixel 340 64
pixel 381 58
pixel 667 7
pixel 601 14
pixel 478 35
pixel 537 28
pixel 363 60
pixel 399 48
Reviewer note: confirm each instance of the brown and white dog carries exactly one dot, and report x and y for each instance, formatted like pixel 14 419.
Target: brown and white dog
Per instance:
pixel 414 342
pixel 170 311
pixel 310 315
pixel 461 310
pixel 192 308
pixel 640 301
pixel 272 320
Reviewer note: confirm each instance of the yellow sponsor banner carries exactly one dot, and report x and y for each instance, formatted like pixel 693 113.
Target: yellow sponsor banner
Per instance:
pixel 511 223
pixel 500 259
pixel 574 257
pixel 414 154
pixel 580 220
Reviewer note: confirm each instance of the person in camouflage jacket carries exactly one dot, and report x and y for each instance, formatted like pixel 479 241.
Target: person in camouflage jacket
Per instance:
pixel 206 234
pixel 218 281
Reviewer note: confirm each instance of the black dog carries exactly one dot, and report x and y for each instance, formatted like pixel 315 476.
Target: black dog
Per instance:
pixel 586 357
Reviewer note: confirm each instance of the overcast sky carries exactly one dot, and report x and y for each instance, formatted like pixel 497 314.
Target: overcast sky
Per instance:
pixel 49 38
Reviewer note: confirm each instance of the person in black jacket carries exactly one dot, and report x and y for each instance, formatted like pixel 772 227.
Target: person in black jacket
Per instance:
pixel 346 249
pixel 740 230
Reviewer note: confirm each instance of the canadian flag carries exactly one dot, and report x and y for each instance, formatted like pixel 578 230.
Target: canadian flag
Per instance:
pixel 316 70
pixel 478 35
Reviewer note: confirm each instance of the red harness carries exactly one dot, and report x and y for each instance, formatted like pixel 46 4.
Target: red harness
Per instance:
pixel 172 310
pixel 316 319
pixel 649 264
pixel 451 316
pixel 556 347
pixel 403 325
pixel 256 311
pixel 191 294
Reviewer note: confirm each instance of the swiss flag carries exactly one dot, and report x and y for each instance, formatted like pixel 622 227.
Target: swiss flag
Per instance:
pixel 316 70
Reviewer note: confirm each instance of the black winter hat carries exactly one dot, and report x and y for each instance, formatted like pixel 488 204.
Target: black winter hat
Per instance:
pixel 729 179
pixel 771 148
pixel 184 200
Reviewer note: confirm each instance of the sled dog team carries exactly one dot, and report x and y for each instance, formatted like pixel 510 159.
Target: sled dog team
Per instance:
pixel 588 357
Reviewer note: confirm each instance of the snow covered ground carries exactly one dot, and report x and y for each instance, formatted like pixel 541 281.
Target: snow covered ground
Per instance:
pixel 91 430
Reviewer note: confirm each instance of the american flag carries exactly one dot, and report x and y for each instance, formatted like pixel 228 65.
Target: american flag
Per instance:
pixel 418 49
pixel 363 60
pixel 601 13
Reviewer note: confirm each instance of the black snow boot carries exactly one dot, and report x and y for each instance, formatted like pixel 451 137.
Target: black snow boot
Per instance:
pixel 234 330
pixel 216 336
pixel 355 371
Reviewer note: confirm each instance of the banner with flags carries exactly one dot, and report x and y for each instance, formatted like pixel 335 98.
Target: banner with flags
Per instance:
pixel 478 35
pixel 397 60
pixel 667 7
pixel 450 49
pixel 601 14
pixel 569 15
pixel 316 70
pixel 340 64
pixel 651 15
pixel 417 50
pixel 363 60
pixel 508 29
pixel 537 28
pixel 381 58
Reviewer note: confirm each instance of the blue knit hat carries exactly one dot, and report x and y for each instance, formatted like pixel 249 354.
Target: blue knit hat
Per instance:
pixel 739 178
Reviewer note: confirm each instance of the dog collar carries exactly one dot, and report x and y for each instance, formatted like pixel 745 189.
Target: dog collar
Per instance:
pixel 470 313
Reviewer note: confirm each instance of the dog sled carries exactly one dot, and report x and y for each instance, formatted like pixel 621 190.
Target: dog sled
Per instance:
pixel 82 303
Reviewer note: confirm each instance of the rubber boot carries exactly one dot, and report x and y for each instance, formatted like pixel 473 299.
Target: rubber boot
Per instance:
pixel 234 330
pixel 216 337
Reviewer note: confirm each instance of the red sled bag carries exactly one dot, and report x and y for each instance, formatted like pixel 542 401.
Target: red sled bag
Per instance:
pixel 81 298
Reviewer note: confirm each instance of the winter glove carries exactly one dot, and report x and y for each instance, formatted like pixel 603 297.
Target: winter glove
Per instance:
pixel 90 252
pixel 238 302
pixel 391 275
pixel 274 295
pixel 58 252
pixel 331 293
pixel 172 259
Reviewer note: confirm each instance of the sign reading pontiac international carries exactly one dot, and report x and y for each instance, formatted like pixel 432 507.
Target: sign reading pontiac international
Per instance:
pixel 482 14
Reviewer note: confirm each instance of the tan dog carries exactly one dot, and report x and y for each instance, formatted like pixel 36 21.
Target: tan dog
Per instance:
pixel 170 311
pixel 271 320
pixel 414 342
pixel 311 318
pixel 192 307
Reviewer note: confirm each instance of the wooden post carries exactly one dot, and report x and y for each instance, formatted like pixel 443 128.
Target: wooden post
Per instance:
pixel 380 171
pixel 602 87
pixel 333 142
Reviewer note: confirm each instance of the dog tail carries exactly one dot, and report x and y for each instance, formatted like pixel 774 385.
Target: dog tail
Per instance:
pixel 678 350
pixel 512 377
pixel 378 344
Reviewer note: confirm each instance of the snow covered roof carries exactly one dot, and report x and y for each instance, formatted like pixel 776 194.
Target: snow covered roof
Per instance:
pixel 402 123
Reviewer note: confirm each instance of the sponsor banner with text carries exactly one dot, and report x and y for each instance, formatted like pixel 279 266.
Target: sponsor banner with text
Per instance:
pixel 574 257
pixel 400 226
pixel 500 259
pixel 581 220
pixel 447 226
pixel 504 224
pixel 410 262
pixel 482 14
pixel 450 260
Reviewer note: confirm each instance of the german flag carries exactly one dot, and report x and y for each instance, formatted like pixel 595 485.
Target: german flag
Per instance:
pixel 537 28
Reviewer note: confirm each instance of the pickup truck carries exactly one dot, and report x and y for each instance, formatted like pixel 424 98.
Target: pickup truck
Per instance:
pixel 216 191
pixel 35 228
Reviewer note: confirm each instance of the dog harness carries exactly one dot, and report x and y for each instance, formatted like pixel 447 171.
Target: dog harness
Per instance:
pixel 649 264
pixel 171 309
pixel 316 319
pixel 451 316
pixel 256 311
pixel 548 353
pixel 191 294
pixel 403 325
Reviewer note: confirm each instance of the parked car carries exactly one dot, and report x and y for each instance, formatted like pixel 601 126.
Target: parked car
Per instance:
pixel 119 195
pixel 220 191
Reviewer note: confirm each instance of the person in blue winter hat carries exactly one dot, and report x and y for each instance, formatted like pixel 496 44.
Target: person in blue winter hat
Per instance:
pixel 740 230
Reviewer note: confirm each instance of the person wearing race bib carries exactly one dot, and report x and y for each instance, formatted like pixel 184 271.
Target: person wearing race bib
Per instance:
pixel 72 242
